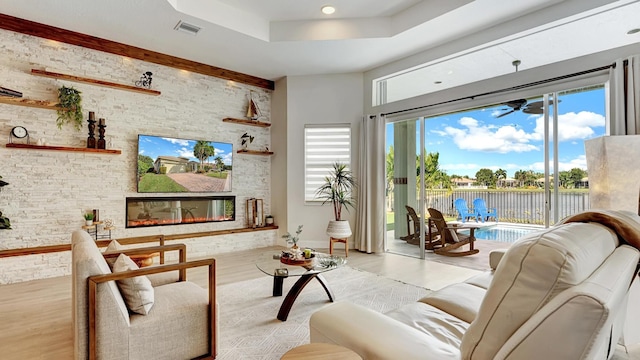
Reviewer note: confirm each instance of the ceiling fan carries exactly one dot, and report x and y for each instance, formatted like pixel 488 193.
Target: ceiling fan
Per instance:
pixel 535 107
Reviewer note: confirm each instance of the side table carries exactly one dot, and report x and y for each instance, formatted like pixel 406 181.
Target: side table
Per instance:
pixel 320 351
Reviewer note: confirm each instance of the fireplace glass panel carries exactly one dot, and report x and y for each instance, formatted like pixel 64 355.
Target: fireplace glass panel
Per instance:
pixel 150 211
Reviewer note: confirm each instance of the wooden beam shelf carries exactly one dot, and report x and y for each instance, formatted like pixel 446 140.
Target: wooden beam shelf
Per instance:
pixel 40 104
pixel 63 148
pixel 108 84
pixel 129 241
pixel 255 152
pixel 247 122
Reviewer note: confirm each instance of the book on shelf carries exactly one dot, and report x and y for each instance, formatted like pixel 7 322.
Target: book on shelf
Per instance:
pixel 8 92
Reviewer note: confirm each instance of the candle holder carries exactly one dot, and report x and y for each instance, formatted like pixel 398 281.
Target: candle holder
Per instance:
pixel 102 144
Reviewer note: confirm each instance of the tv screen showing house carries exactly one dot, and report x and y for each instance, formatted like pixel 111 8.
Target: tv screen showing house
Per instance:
pixel 174 165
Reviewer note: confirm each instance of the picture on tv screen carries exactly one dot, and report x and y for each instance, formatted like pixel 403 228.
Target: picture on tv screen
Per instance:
pixel 172 165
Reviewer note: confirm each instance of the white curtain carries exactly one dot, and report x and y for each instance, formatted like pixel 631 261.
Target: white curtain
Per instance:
pixel 370 215
pixel 624 97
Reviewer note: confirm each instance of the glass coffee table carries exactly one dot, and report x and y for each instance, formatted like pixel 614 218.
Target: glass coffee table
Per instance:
pixel 270 264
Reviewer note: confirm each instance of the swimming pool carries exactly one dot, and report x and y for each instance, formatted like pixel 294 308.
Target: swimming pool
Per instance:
pixel 503 233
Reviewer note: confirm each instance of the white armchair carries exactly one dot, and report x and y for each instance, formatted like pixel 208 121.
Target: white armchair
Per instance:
pixel 180 324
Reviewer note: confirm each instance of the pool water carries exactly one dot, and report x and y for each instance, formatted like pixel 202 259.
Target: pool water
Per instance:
pixel 500 233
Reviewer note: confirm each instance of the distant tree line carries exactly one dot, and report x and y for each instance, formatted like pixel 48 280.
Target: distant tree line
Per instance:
pixel 435 178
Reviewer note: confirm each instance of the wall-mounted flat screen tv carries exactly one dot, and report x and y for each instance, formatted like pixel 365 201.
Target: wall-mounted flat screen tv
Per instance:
pixel 174 165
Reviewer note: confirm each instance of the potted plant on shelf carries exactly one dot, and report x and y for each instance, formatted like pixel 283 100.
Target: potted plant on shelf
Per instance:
pixel 69 107
pixel 338 189
pixel 88 218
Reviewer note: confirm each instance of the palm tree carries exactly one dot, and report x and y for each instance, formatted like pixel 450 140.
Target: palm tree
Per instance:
pixel 219 163
pixel 501 174
pixel 202 151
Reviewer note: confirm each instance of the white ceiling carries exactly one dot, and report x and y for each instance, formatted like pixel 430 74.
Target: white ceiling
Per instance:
pixel 276 38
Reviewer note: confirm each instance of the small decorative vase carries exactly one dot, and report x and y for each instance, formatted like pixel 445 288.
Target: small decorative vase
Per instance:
pixel 88 222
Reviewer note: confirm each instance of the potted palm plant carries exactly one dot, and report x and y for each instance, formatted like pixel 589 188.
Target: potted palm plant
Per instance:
pixel 338 189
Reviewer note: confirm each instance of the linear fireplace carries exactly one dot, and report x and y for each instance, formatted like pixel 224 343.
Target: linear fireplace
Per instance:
pixel 157 211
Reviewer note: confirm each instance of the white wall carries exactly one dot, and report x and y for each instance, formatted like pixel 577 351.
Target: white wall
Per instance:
pixel 319 99
pixel 49 190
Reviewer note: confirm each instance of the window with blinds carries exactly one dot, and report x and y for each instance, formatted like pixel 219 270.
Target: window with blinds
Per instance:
pixel 323 146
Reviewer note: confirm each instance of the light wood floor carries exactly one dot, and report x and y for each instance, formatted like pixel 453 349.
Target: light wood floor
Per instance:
pixel 35 316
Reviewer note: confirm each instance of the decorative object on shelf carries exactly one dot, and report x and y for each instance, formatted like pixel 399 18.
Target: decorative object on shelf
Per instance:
pixel 4 183
pixel 246 139
pixel 293 240
pixel 88 218
pixel 91 140
pixel 5 223
pixel 8 92
pixel 268 220
pixel 338 189
pixel 145 80
pixel 96 215
pixel 254 211
pixel 69 107
pixel 102 144
pixel 19 132
pixel 253 111
pixel 108 224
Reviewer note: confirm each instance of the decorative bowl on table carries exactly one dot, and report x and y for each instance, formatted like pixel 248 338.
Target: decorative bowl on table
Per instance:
pixel 289 259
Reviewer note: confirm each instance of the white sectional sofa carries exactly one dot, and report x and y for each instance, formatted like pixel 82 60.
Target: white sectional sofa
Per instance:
pixel 556 294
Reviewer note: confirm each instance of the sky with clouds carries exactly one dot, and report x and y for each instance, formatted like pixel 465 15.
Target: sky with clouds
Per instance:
pixel 469 141
pixel 154 146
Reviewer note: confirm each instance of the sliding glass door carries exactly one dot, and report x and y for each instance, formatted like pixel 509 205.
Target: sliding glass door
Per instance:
pixel 524 157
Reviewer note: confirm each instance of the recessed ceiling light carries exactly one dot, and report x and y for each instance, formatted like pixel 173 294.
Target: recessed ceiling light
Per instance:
pixel 437 82
pixel 328 9
pixel 633 31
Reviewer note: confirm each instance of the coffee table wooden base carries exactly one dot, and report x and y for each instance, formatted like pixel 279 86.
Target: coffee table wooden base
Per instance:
pixel 320 351
pixel 292 295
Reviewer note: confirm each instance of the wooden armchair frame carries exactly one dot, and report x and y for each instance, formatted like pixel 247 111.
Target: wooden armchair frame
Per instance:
pixel 449 236
pixel 181 267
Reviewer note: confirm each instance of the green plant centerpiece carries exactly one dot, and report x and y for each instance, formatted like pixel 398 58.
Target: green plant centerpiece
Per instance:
pixel 5 223
pixel 293 240
pixel 69 107
pixel 338 188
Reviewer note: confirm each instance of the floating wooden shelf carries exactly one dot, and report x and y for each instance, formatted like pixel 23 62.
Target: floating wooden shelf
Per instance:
pixel 247 122
pixel 255 152
pixel 129 241
pixel 63 148
pixel 109 84
pixel 40 104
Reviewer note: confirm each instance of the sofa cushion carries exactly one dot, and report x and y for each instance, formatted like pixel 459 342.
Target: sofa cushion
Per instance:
pixel 137 291
pixel 114 246
pixel 532 272
pixel 461 300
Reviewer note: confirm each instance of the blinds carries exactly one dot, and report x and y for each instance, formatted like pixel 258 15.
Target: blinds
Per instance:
pixel 323 146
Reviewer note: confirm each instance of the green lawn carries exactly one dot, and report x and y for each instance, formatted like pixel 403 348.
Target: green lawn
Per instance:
pixel 159 183
pixel 217 175
pixel 390 224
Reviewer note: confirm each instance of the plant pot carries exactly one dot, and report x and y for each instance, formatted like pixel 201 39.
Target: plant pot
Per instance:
pixel 88 222
pixel 339 229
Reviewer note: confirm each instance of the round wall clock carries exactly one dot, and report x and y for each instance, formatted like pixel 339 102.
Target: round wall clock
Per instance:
pixel 19 132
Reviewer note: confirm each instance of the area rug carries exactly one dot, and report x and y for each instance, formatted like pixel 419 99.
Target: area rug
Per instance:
pixel 248 325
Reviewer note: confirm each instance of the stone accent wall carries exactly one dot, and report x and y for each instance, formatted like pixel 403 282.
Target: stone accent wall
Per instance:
pixel 49 190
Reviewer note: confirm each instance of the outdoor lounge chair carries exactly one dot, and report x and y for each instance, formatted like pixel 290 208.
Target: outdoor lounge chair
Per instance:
pixel 483 212
pixel 414 238
pixel 452 238
pixel 463 210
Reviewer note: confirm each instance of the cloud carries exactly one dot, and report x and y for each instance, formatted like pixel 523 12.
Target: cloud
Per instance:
pixel 184 152
pixel 490 138
pixel 218 152
pixel 180 142
pixel 226 158
pixel 571 125
pixel 579 162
